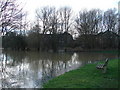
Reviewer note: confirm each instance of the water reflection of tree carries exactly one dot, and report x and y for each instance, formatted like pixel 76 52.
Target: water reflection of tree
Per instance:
pixel 43 66
pixel 8 60
pixel 50 63
pixel 3 68
pixel 16 56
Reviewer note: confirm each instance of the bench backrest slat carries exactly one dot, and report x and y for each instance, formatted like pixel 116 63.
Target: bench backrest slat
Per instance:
pixel 106 62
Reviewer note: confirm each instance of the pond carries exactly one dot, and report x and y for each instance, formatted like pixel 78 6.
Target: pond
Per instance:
pixel 33 69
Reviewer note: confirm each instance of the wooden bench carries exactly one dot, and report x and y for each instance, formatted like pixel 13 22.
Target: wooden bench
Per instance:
pixel 103 66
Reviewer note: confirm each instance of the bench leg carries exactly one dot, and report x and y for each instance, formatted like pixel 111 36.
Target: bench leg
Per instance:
pixel 104 70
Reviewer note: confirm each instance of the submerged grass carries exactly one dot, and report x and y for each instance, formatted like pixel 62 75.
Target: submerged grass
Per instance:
pixel 87 77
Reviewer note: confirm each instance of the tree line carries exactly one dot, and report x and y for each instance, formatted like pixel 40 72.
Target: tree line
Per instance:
pixel 50 20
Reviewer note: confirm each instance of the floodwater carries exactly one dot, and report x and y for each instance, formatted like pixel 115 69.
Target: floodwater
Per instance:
pixel 33 69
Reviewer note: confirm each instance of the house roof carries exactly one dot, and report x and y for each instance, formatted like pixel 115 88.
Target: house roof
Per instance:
pixel 107 34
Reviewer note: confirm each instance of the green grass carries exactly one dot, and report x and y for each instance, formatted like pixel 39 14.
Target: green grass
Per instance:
pixel 87 77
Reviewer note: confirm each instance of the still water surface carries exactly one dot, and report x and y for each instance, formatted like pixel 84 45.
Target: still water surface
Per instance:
pixel 32 69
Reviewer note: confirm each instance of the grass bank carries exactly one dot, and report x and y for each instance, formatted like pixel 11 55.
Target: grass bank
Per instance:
pixel 87 77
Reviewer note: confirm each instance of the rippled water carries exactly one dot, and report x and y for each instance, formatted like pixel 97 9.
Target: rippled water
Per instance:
pixel 32 69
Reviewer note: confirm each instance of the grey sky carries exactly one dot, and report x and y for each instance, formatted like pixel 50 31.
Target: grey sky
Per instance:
pixel 76 5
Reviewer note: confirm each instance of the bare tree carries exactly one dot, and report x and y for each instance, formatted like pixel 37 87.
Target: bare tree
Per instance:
pixel 53 21
pixel 49 18
pixel 10 15
pixel 81 22
pixel 65 14
pixel 36 29
pixel 88 22
pixel 95 20
pixel 110 20
pixel 43 16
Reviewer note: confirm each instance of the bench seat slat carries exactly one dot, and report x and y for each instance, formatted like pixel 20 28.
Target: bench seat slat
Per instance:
pixel 101 66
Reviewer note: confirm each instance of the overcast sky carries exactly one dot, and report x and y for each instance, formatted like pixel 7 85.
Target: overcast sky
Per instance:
pixel 31 5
